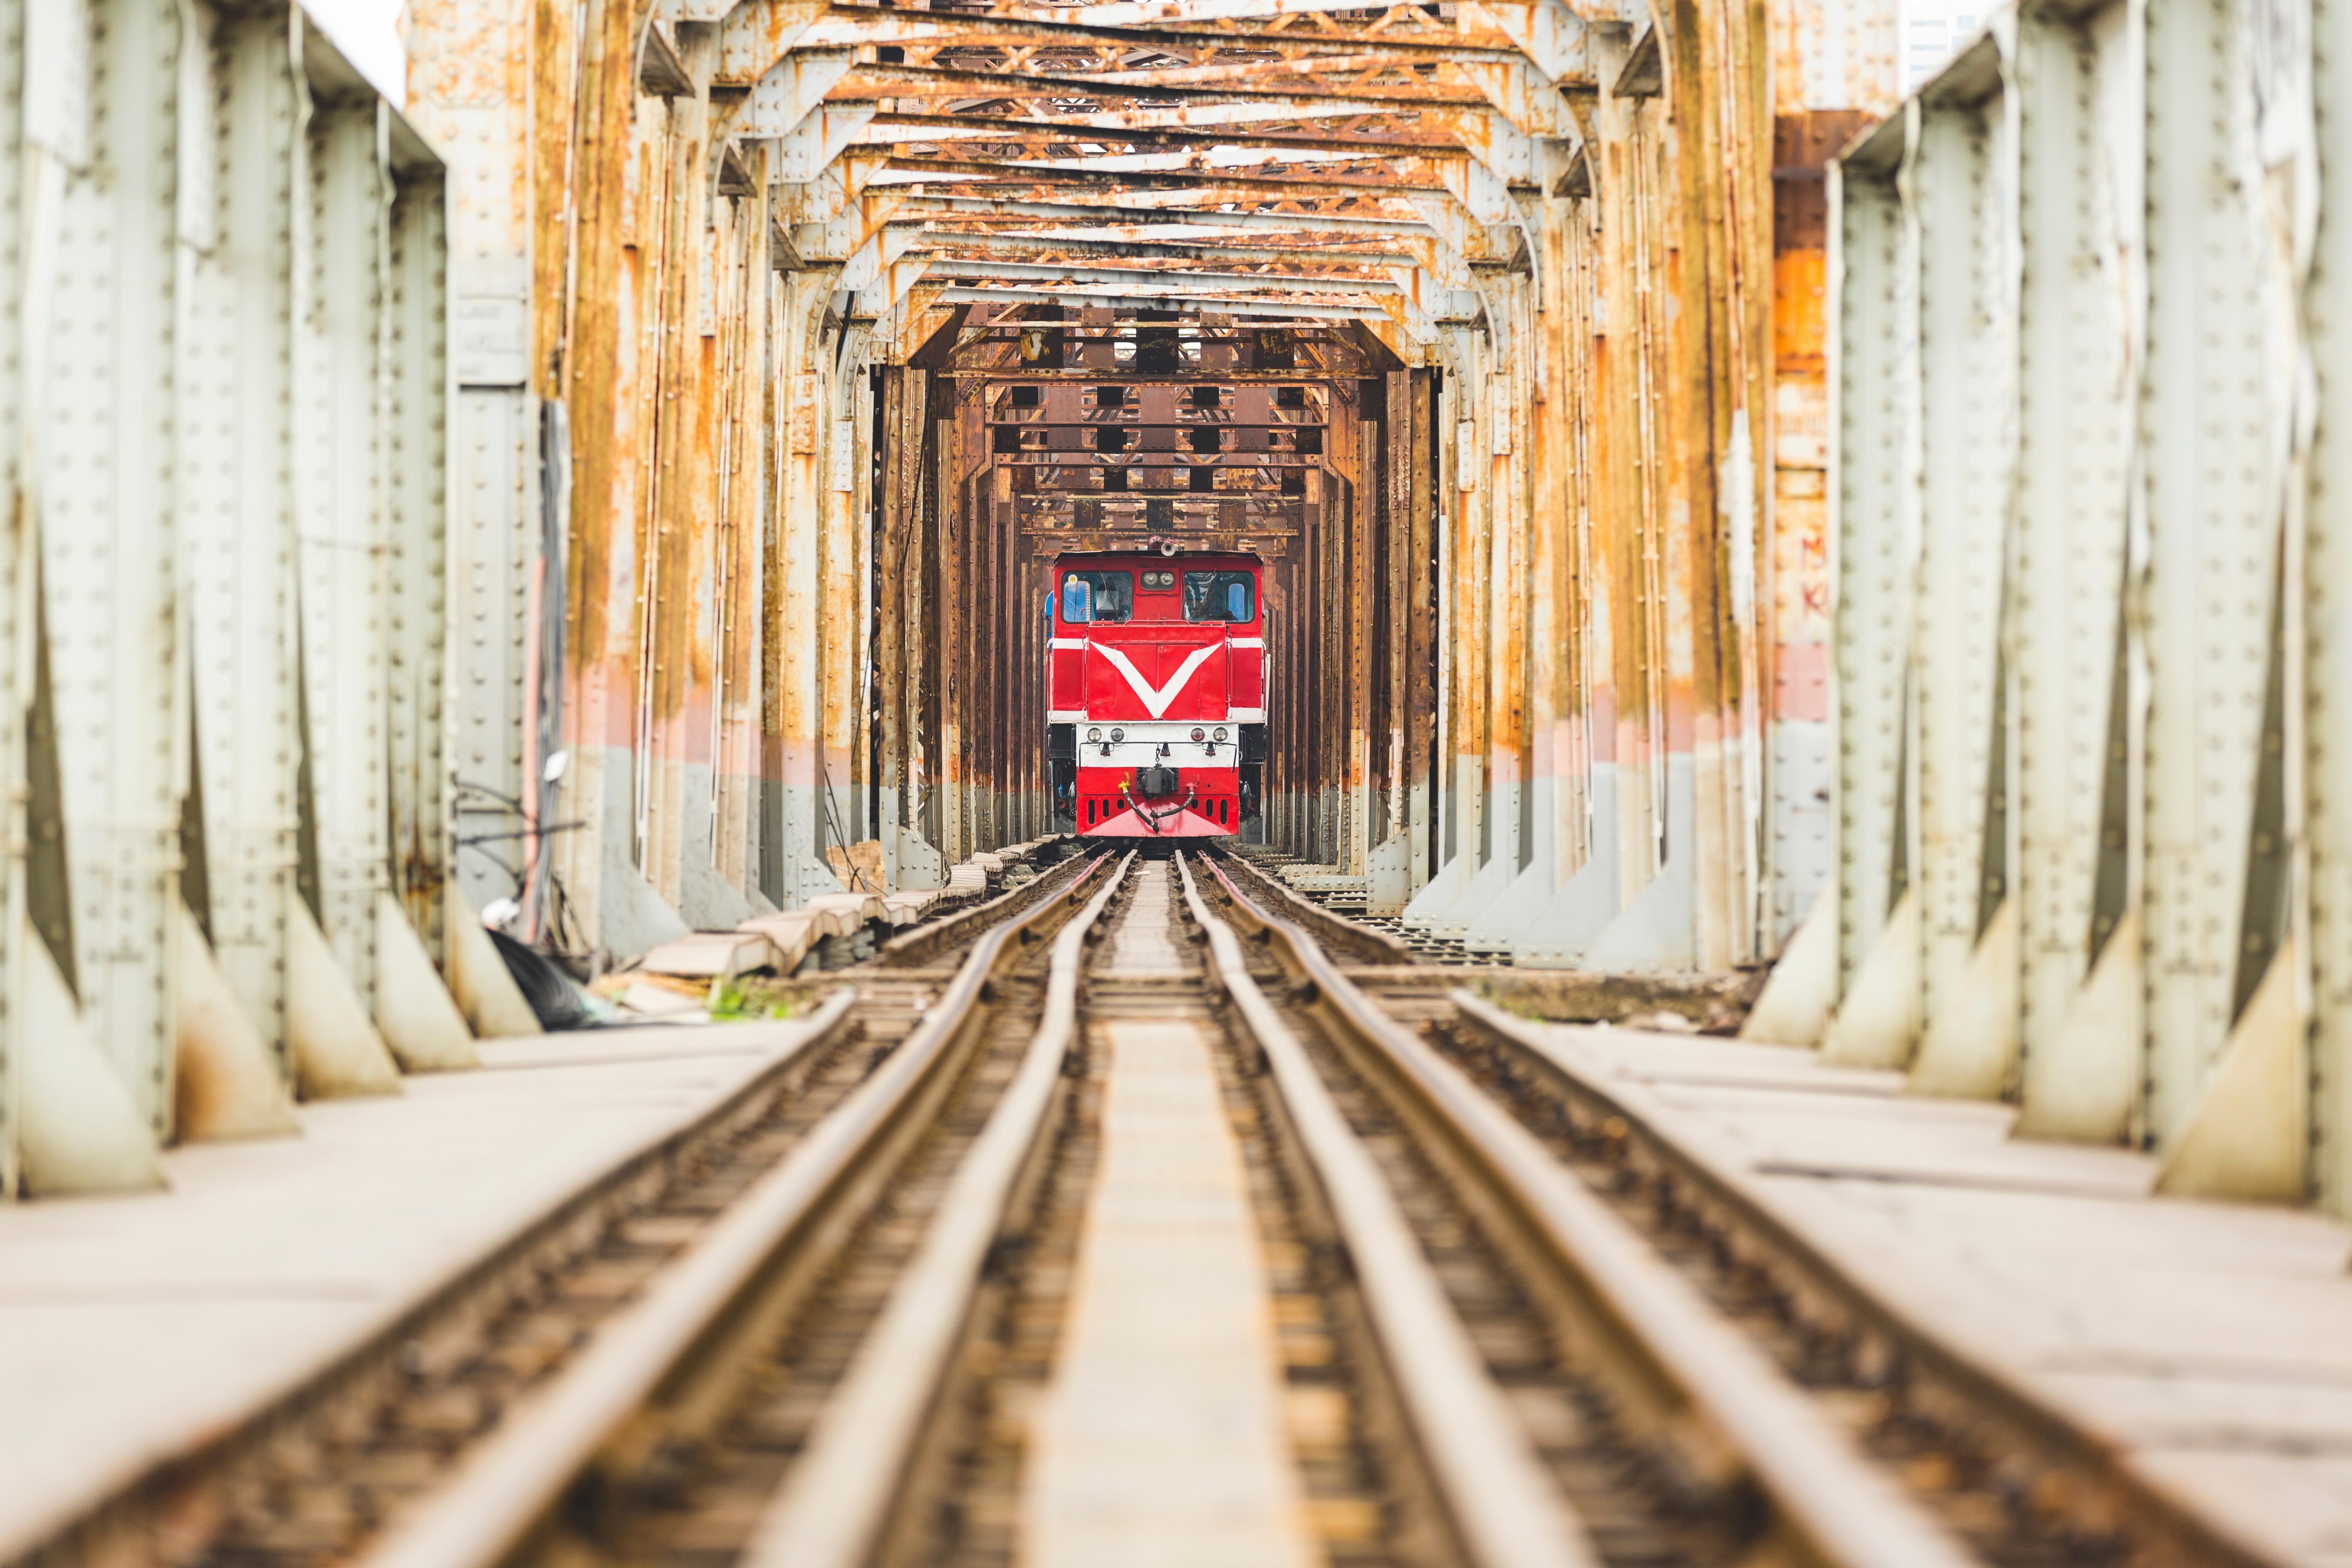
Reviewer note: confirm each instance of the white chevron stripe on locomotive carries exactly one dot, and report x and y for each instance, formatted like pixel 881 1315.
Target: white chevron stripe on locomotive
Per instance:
pixel 1156 700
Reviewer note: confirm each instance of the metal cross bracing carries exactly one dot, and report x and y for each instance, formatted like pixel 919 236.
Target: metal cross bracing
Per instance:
pixel 2090 389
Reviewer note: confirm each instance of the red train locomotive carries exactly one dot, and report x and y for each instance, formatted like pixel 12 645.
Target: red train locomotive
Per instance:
pixel 1156 693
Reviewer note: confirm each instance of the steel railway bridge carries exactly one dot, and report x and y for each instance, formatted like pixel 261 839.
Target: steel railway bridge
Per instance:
pixel 1751 550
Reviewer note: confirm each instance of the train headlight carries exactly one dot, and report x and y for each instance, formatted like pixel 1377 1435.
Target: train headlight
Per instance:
pixel 1199 735
pixel 1118 734
pixel 1094 734
pixel 1220 735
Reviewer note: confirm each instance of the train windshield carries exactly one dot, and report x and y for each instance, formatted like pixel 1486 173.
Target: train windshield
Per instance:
pixel 1097 596
pixel 1219 596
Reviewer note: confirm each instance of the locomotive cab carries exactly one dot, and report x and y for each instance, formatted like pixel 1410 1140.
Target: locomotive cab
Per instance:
pixel 1156 693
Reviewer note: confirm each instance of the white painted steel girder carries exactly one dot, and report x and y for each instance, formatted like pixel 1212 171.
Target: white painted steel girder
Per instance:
pixel 108 551
pixel 232 306
pixel 16 578
pixel 2086 384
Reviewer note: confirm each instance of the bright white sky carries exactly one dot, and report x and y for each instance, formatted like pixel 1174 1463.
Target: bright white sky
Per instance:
pixel 368 32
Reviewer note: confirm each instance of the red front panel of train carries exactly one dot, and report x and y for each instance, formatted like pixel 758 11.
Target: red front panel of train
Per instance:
pixel 1133 674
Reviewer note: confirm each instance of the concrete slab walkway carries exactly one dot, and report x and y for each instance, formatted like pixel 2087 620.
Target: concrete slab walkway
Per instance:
pixel 2211 1341
pixel 132 1328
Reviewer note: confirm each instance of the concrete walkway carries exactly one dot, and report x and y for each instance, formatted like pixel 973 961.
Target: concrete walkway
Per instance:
pixel 2211 1341
pixel 132 1328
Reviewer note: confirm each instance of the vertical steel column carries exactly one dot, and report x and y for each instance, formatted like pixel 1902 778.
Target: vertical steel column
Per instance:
pixel 235 459
pixel 2212 414
pixel 902 398
pixel 951 672
pixel 109 544
pixel 837 629
pixel 476 106
pixel 1461 564
pixel 1417 619
pixel 2327 587
pixel 864 688
pixel 1873 432
pixel 1387 474
pixel 1875 459
pixel 1507 628
pixel 799 582
pixel 16 553
pixel 417 534
pixel 1559 900
pixel 2079 216
pixel 921 863
pixel 338 366
pixel 1802 773
pixel 675 725
pixel 1961 176
pixel 734 720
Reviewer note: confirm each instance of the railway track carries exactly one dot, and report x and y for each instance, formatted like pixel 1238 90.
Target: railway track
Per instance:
pixel 1772 1337
pixel 1116 1214
pixel 901 1346
pixel 321 1472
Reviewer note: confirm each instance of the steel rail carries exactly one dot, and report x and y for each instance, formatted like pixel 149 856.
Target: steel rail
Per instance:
pixel 1503 1507
pixel 925 943
pixel 1331 929
pixel 1689 1376
pixel 2026 1421
pixel 838 1500
pixel 710 1300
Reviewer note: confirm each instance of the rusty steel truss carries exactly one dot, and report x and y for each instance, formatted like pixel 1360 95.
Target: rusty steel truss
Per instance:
pixel 778 264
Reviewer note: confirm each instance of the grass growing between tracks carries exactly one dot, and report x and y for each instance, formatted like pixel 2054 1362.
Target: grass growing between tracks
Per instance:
pixel 751 999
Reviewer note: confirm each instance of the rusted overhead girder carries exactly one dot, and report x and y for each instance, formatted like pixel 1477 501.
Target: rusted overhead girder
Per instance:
pixel 1359 142
pixel 1546 32
pixel 1300 310
pixel 1071 205
pixel 1479 84
pixel 1042 247
pixel 917 82
pixel 1185 284
pixel 1214 185
pixel 1047 29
